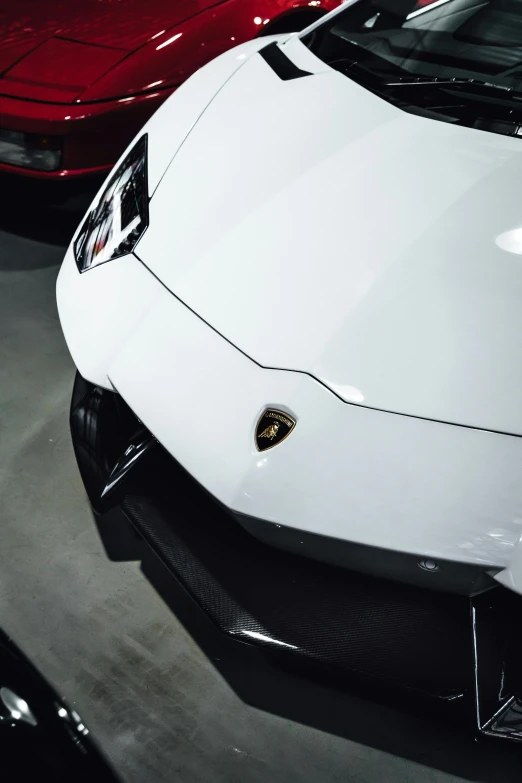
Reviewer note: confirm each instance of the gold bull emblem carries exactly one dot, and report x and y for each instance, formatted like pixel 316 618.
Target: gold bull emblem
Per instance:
pixel 272 428
pixel 271 431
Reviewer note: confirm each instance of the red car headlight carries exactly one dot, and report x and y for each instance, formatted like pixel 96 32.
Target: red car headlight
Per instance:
pixel 30 150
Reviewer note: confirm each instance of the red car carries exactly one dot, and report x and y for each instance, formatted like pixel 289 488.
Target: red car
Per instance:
pixel 78 78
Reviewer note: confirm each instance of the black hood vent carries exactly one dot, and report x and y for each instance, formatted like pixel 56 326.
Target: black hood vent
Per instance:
pixel 280 63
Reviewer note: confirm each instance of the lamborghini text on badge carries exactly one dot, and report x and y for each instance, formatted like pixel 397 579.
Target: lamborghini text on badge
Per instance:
pixel 272 428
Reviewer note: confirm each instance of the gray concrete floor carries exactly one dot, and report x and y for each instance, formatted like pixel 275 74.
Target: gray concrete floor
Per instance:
pixel 160 707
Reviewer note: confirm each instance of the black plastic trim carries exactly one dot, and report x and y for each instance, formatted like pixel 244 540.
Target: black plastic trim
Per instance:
pixel 353 625
pixel 110 443
pixel 281 64
pixel 448 576
pixel 497 648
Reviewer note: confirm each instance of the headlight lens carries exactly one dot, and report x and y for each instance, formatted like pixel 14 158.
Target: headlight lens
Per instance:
pixel 30 150
pixel 118 219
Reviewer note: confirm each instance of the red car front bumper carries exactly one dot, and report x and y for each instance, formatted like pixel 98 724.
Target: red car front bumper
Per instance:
pixel 93 135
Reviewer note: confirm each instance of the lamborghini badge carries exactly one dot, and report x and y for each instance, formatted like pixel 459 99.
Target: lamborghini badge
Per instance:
pixel 272 428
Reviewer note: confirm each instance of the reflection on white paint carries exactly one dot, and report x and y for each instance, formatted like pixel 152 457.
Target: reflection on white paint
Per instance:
pixel 510 241
pixel 348 393
pixel 260 463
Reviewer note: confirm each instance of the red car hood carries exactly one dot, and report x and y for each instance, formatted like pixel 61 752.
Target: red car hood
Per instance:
pixel 54 49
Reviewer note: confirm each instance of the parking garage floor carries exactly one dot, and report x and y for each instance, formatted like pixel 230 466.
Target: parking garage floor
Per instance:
pixel 166 697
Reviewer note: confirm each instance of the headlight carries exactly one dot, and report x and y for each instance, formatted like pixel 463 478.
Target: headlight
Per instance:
pixel 120 216
pixel 30 150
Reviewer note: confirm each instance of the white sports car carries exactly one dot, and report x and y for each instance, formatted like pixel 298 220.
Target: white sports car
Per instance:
pixel 295 310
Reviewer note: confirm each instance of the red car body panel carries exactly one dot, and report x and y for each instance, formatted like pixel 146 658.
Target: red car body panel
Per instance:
pixel 59 70
pixel 95 134
pixel 124 24
pixel 93 71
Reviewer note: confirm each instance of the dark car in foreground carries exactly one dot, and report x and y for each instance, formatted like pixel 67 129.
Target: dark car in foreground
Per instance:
pixel 41 737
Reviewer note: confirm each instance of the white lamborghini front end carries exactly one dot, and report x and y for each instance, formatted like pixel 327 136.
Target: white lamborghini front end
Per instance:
pixel 316 313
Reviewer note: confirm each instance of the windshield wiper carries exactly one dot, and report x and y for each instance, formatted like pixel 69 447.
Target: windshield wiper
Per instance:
pixel 360 73
pixel 462 85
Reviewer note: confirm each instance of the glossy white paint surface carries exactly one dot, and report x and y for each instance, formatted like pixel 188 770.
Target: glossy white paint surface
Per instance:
pixel 512 575
pixel 346 471
pixel 174 120
pixel 321 229
pixel 99 310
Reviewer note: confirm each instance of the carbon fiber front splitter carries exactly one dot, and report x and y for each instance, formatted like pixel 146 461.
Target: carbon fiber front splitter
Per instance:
pixel 450 649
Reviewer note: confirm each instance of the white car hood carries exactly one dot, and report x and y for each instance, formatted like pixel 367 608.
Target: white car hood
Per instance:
pixel 322 230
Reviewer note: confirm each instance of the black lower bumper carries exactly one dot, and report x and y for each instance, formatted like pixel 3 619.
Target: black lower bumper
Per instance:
pixel 450 648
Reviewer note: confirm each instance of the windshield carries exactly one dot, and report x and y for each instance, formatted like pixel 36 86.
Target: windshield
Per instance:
pixel 461 58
